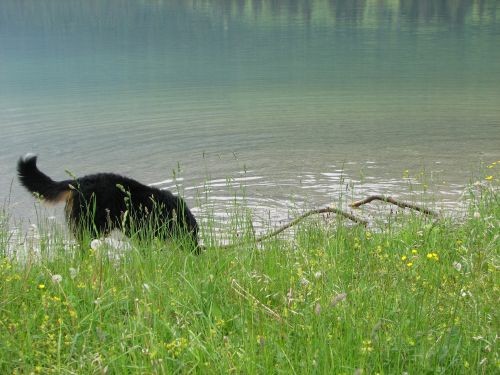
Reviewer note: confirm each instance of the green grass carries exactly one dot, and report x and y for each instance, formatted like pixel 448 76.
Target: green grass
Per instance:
pixel 416 296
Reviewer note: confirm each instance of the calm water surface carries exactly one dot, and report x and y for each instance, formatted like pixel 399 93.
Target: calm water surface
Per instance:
pixel 276 103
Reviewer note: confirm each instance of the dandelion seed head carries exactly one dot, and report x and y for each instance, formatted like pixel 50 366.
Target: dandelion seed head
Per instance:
pixel 56 279
pixel 95 244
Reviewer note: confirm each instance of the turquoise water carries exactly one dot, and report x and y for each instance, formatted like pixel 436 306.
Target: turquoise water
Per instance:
pixel 283 103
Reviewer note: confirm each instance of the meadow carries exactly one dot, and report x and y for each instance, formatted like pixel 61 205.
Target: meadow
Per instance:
pixel 412 294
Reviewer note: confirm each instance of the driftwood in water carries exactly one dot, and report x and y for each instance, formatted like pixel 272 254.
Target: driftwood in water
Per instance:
pixel 391 200
pixel 309 213
pixel 340 212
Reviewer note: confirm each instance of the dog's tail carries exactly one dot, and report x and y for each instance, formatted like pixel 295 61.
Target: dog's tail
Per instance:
pixel 39 183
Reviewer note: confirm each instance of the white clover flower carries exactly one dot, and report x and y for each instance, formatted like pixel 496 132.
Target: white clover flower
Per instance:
pixel 56 279
pixel 304 282
pixel 317 275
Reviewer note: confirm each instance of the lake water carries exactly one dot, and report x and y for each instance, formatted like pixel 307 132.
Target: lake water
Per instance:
pixel 279 104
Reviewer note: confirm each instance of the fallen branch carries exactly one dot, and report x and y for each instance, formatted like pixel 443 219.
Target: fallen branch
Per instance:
pixel 337 211
pixel 401 204
pixel 309 213
pixel 298 219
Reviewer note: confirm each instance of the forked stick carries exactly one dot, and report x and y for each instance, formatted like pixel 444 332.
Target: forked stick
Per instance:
pixel 340 212
pixel 299 219
pixel 309 213
pixel 401 204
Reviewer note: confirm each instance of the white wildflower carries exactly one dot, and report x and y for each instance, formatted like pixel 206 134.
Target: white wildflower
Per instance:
pixel 465 293
pixel 457 266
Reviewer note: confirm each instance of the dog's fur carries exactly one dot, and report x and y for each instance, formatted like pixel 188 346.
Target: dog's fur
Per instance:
pixel 105 201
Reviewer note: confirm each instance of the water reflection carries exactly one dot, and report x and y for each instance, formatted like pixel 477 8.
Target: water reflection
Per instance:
pixel 351 10
pixel 452 11
pixel 99 15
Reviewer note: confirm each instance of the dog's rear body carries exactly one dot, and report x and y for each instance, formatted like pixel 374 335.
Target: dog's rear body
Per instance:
pixel 106 201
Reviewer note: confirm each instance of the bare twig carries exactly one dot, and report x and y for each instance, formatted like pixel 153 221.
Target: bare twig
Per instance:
pixel 396 202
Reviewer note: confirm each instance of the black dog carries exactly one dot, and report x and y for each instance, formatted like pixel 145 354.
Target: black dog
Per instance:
pixel 101 202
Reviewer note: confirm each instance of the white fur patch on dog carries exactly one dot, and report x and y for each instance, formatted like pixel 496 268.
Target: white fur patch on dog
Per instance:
pixel 28 156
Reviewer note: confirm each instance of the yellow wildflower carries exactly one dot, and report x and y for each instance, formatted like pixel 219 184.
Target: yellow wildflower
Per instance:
pixel 489 178
pixel 41 286
pixel 177 346
pixel 433 256
pixel 367 346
